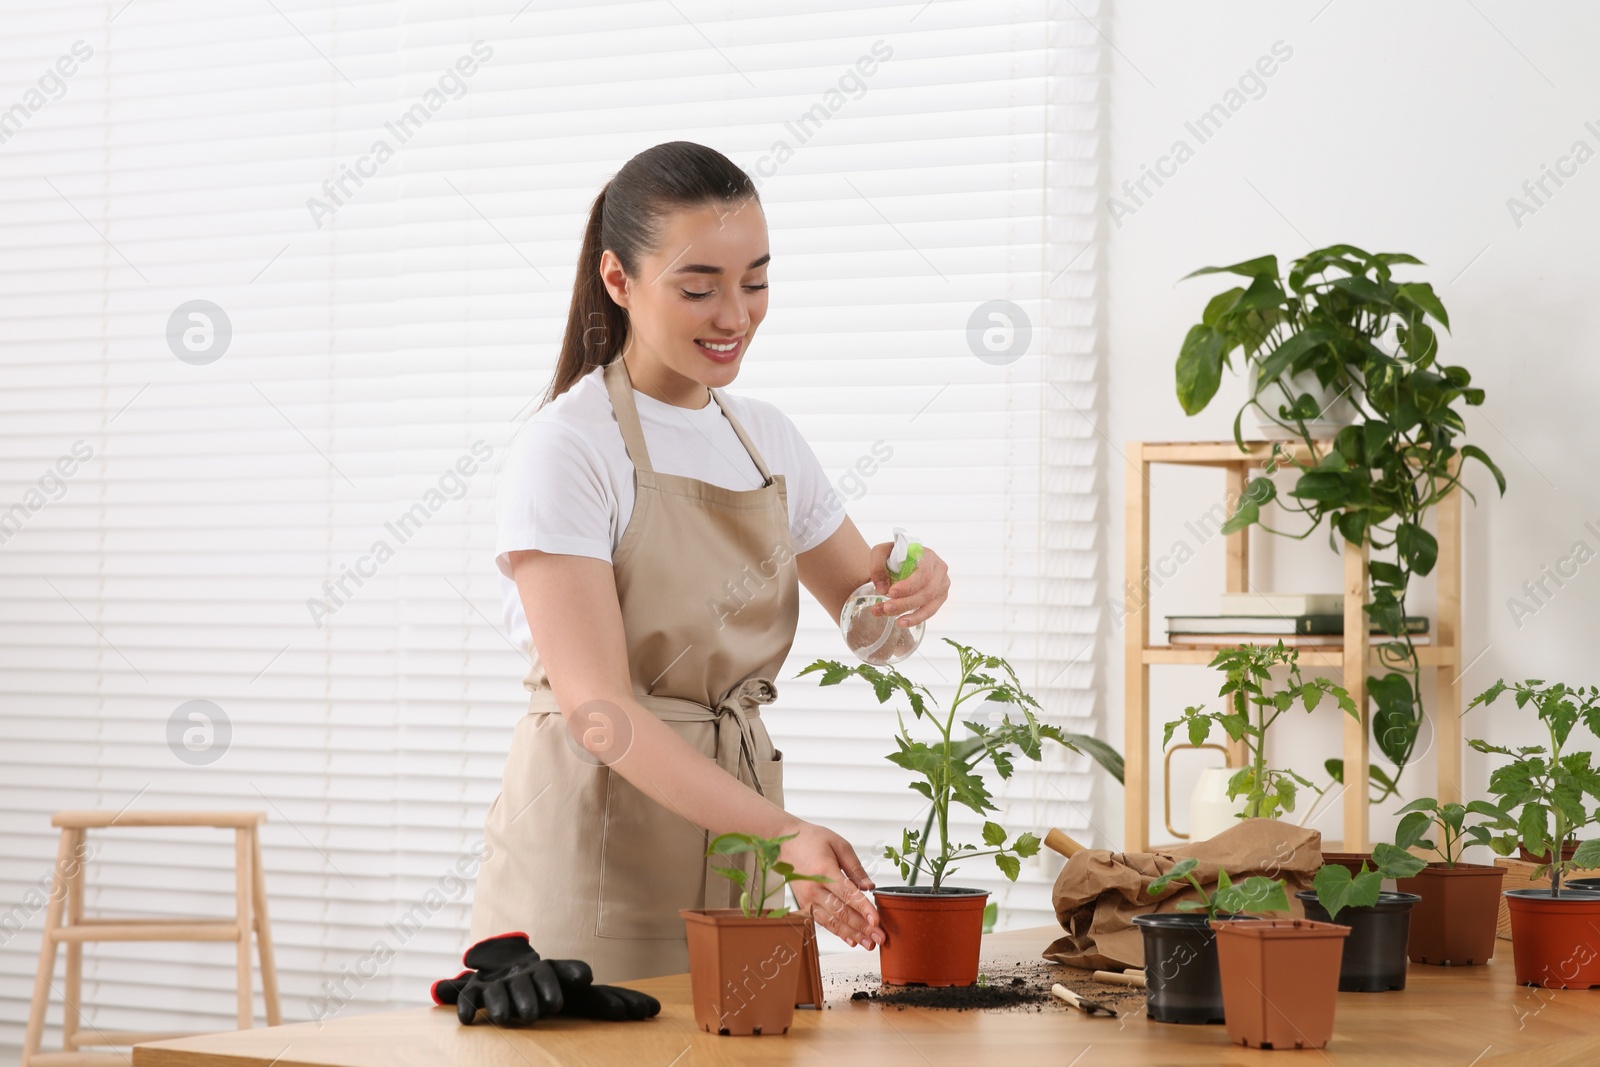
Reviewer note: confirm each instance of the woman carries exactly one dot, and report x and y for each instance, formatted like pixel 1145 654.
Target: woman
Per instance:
pixel 656 557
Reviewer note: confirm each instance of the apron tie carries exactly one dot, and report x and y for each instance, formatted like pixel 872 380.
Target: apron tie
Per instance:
pixel 736 746
pixel 734 731
pixel 736 754
pixel 730 717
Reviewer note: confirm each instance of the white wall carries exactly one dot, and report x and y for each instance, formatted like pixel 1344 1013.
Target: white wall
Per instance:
pixel 1395 128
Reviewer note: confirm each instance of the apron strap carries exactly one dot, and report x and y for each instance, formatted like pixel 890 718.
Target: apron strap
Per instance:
pixel 744 439
pixel 620 387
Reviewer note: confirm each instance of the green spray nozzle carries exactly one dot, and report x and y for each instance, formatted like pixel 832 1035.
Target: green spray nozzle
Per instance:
pixel 903 556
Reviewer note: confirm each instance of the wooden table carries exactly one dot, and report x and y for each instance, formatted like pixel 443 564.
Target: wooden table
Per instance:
pixel 1460 1016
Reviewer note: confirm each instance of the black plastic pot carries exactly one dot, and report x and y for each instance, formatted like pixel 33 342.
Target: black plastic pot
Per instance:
pixel 1375 952
pixel 1183 982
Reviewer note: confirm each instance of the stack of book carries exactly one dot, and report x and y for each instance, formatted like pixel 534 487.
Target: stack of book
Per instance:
pixel 1299 620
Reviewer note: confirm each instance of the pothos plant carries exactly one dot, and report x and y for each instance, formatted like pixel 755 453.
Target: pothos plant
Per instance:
pixel 1252 706
pixel 950 766
pixel 1546 787
pixel 764 851
pixel 1343 318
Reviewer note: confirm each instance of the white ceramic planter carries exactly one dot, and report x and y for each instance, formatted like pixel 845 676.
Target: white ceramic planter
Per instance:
pixel 1338 411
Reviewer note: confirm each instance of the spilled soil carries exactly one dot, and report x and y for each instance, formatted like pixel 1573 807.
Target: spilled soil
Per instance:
pixel 1003 985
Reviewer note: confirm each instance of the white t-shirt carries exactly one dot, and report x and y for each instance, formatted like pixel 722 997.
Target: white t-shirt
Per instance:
pixel 567 485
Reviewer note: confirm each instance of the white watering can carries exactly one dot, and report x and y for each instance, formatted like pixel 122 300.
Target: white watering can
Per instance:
pixel 1210 810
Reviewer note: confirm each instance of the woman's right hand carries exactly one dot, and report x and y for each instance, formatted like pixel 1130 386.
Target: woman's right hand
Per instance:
pixel 838 905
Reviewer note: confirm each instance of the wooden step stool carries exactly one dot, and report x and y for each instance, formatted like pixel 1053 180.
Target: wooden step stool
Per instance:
pixel 67 891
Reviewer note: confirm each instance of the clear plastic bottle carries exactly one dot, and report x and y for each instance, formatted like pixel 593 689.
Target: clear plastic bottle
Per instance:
pixel 879 639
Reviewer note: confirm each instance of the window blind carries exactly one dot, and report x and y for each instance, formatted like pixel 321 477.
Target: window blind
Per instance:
pixel 283 281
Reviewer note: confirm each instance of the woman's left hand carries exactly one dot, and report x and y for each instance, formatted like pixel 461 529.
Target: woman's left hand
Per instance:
pixel 914 598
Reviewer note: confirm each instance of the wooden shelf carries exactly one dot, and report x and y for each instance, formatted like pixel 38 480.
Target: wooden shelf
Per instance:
pixel 1318 656
pixel 1353 664
pixel 1219 453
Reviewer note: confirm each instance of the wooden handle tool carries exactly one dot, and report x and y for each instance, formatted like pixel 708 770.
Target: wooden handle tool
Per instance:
pixel 1088 1007
pixel 1121 978
pixel 1060 842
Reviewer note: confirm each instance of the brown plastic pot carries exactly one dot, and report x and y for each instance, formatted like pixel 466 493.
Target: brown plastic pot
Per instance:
pixel 1553 939
pixel 1453 925
pixel 1544 857
pixel 1351 861
pixel 930 938
pixel 1280 979
pixel 744 971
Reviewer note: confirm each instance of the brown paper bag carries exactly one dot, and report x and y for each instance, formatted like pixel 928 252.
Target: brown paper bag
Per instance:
pixel 1098 892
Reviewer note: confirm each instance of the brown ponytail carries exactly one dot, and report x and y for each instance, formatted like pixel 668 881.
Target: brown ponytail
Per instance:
pixel 627 218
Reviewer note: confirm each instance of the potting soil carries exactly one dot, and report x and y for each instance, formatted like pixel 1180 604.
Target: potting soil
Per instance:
pixel 1020 985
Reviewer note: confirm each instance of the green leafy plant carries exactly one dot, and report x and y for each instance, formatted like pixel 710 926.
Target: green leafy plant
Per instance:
pixel 1449 822
pixel 765 853
pixel 1338 889
pixel 1252 707
pixel 1254 894
pixel 1343 318
pixel 1546 787
pixel 950 767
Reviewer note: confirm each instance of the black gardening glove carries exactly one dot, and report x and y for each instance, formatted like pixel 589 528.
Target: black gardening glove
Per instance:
pixel 507 979
pixel 510 975
pixel 614 1003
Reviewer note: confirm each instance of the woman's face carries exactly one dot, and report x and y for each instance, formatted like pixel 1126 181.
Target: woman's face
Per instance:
pixel 705 285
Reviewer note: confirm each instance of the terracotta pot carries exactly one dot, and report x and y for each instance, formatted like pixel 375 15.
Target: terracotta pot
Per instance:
pixel 1351 861
pixel 744 971
pixel 1453 925
pixel 1554 939
pixel 1280 979
pixel 1374 958
pixel 930 939
pixel 1544 857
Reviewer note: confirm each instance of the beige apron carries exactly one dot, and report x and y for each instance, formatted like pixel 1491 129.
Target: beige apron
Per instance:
pixel 579 859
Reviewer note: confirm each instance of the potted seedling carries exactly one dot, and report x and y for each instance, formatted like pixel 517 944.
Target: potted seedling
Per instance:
pixel 745 963
pixel 1341 349
pixel 1545 788
pixel 1280 980
pixel 1374 958
pixel 1454 922
pixel 1180 949
pixel 1253 705
pixel 1280 977
pixel 933 932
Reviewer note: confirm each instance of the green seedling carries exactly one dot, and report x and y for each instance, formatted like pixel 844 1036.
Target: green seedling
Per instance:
pixel 765 851
pixel 1546 787
pixel 948 769
pixel 1251 709
pixel 1450 824
pixel 1257 893
pixel 1338 889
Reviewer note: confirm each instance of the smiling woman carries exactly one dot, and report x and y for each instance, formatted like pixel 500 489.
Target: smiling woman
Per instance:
pixel 688 280
pixel 652 535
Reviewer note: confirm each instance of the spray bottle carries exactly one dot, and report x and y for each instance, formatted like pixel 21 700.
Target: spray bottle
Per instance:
pixel 879 639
